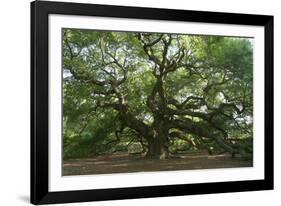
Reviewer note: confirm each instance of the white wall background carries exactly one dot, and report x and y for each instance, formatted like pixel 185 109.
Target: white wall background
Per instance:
pixel 14 102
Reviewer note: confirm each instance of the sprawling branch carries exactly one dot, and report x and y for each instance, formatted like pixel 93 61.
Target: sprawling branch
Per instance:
pixel 203 131
pixel 147 46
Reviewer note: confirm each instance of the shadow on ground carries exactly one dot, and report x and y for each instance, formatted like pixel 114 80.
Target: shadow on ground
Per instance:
pixel 124 163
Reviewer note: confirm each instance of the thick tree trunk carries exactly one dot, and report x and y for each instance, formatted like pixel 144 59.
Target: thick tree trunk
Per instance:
pixel 157 148
pixel 158 142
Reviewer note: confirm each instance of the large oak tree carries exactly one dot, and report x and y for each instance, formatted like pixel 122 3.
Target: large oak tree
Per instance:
pixel 159 88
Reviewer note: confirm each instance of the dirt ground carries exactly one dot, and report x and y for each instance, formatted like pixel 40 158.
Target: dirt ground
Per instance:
pixel 124 163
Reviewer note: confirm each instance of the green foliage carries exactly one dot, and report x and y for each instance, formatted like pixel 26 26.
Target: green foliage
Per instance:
pixel 87 141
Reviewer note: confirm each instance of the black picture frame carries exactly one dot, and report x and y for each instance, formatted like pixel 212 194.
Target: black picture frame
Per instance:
pixel 39 102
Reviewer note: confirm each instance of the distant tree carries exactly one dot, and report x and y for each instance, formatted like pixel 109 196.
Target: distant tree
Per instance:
pixel 158 88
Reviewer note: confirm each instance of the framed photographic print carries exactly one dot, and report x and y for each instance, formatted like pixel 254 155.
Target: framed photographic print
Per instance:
pixel 131 102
